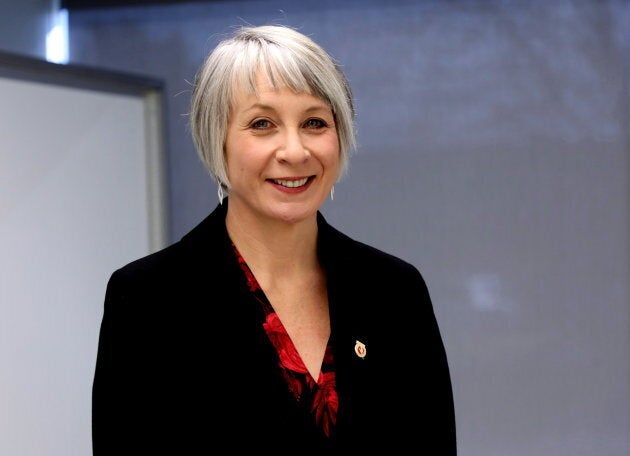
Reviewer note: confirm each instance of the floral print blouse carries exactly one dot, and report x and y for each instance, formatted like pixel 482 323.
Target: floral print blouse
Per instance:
pixel 319 397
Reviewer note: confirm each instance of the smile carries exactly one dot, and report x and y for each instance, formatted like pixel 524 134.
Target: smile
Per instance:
pixel 290 183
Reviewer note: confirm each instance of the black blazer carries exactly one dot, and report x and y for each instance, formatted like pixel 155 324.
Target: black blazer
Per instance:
pixel 184 366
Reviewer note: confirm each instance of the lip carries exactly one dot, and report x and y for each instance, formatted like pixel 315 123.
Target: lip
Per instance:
pixel 291 190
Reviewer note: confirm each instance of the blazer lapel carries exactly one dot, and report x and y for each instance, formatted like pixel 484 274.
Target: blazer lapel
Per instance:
pixel 349 319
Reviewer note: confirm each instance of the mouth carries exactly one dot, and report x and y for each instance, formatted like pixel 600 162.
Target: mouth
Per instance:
pixel 292 182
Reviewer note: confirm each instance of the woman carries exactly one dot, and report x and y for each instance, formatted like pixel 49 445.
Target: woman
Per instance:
pixel 265 326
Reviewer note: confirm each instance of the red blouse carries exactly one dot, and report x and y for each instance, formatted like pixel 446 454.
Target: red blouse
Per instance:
pixel 319 396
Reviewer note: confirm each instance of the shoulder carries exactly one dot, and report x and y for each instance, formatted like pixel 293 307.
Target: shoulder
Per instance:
pixel 200 251
pixel 152 267
pixel 365 259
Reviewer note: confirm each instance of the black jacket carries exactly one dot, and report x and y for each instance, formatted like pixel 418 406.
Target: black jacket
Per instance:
pixel 184 366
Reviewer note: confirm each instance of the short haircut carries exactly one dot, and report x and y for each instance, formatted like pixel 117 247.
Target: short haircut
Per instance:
pixel 287 58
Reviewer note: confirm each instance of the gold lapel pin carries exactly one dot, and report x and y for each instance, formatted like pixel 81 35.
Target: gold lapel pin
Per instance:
pixel 360 349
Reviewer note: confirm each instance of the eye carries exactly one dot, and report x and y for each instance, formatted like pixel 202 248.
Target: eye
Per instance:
pixel 260 124
pixel 315 123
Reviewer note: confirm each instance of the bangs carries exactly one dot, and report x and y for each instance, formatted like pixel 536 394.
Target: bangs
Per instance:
pixel 277 67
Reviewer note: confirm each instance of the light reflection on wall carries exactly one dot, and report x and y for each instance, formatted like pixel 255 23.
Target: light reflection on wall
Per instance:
pixel 57 49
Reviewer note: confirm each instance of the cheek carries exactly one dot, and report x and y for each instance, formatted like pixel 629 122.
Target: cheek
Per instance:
pixel 236 155
pixel 244 163
pixel 333 152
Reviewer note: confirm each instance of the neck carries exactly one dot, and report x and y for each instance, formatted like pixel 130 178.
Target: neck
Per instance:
pixel 273 249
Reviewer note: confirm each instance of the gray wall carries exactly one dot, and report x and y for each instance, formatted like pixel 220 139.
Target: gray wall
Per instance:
pixel 24 25
pixel 493 154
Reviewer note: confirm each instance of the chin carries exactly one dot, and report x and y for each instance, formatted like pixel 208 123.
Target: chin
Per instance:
pixel 294 214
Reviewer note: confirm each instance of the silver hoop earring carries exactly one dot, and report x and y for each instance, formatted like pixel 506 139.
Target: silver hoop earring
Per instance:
pixel 332 193
pixel 220 193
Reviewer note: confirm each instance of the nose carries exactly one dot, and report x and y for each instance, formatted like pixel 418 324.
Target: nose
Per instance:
pixel 292 149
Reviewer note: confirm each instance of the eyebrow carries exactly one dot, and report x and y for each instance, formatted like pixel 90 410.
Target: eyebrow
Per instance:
pixel 266 107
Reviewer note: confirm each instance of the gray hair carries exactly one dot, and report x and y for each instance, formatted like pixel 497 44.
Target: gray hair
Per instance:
pixel 287 58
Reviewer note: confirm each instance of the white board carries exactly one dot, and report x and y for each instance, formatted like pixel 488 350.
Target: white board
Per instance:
pixel 81 193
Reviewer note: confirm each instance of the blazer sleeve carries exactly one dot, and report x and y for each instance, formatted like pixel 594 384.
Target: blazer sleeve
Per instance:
pixel 415 368
pixel 121 390
pixel 106 394
pixel 434 377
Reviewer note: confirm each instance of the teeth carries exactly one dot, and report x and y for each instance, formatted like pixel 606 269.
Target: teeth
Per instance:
pixel 291 183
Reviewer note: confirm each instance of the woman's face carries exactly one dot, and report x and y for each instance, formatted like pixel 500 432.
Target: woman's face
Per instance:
pixel 282 153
